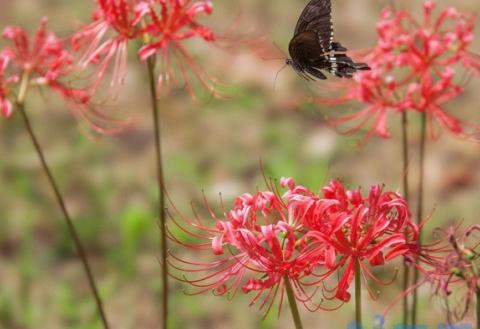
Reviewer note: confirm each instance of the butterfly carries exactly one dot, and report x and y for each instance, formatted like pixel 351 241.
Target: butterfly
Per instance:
pixel 312 48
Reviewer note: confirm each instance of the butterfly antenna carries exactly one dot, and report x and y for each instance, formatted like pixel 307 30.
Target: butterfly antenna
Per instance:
pixel 277 58
pixel 273 58
pixel 276 75
pixel 280 49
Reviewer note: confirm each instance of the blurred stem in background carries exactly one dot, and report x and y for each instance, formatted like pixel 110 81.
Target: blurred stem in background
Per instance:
pixel 406 195
pixel 293 304
pixel 20 104
pixel 423 141
pixel 358 296
pixel 26 273
pixel 478 307
pixel 161 186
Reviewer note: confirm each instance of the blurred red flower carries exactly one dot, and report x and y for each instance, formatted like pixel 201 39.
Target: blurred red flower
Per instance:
pixel 161 25
pixel 413 70
pixel 105 40
pixel 171 22
pixel 45 61
pixel 455 276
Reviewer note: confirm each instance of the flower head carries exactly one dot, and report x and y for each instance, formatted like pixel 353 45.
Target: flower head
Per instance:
pixel 105 40
pixel 260 246
pixel 414 69
pixel 170 23
pixel 44 61
pixel 355 229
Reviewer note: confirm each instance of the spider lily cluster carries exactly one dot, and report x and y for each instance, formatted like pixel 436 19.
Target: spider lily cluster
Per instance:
pixel 305 238
pixel 416 67
pixel 45 60
pixel 160 25
pixel 65 65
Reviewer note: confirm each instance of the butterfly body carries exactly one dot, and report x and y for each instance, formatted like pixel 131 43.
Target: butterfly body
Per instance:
pixel 312 49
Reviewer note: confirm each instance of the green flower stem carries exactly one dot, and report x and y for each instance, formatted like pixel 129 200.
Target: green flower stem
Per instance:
pixel 358 295
pixel 406 194
pixel 293 303
pixel 423 142
pixel 61 202
pixel 161 185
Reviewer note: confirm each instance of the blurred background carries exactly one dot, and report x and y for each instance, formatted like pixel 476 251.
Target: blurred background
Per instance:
pixel 210 145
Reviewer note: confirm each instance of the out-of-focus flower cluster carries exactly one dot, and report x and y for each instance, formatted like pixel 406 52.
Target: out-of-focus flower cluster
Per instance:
pixel 456 277
pixel 96 55
pixel 313 241
pixel 160 25
pixel 416 66
pixel 42 61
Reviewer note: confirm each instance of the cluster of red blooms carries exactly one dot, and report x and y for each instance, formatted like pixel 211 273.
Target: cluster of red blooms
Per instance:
pixel 413 69
pixel 43 59
pixel 304 238
pixel 60 63
pixel 161 25
pixel 456 277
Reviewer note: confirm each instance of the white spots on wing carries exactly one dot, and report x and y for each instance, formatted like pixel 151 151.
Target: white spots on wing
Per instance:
pixel 333 67
pixel 331 31
pixel 320 42
pixel 333 63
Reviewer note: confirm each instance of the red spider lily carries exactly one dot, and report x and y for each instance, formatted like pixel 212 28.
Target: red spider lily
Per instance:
pixel 105 40
pixel 44 61
pixel 428 96
pixel 301 237
pixel 162 25
pixel 413 71
pixel 456 278
pixel 172 22
pixel 378 92
pixel 373 229
pixel 261 242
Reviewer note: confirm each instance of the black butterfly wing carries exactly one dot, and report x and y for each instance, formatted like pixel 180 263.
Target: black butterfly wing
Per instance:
pixel 305 50
pixel 312 48
pixel 317 16
pixel 310 59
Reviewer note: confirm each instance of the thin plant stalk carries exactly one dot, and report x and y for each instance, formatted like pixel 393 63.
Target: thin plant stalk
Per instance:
pixel 406 194
pixel 161 185
pixel 478 307
pixel 358 296
pixel 423 142
pixel 293 303
pixel 20 103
